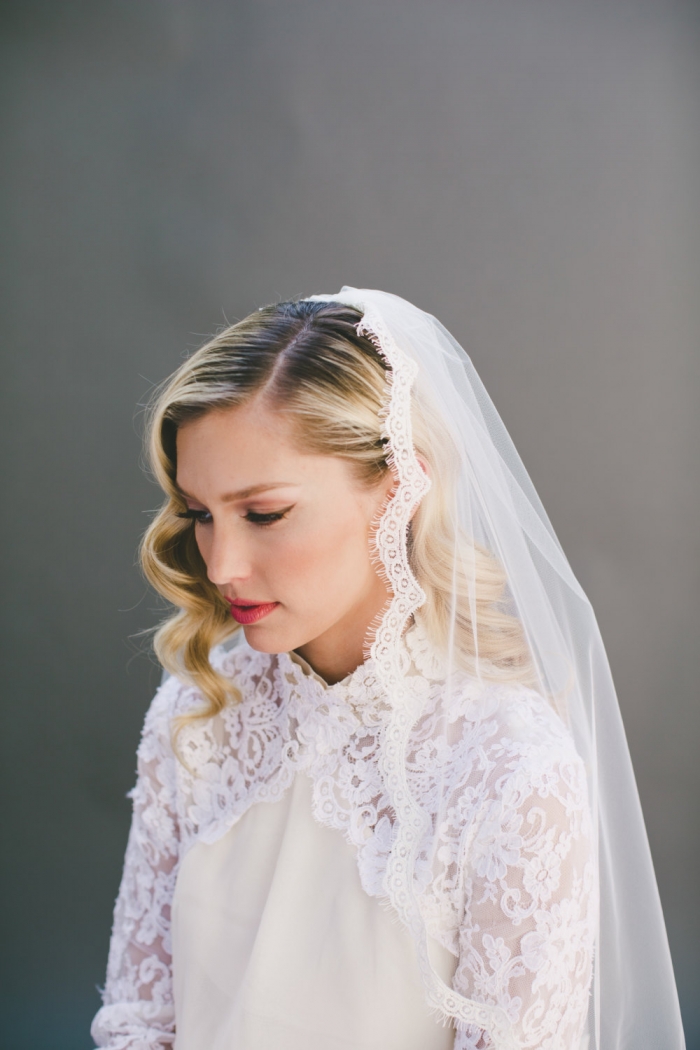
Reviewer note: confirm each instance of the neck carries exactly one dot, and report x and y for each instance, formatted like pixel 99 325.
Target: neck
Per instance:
pixel 341 649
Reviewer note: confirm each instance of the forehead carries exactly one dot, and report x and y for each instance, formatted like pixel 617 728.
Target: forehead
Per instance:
pixel 252 421
pixel 237 448
pixel 247 433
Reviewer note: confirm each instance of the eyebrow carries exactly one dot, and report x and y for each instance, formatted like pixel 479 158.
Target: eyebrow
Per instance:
pixel 252 490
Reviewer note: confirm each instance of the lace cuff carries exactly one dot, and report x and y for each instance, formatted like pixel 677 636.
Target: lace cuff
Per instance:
pixel 134 1026
pixel 138 1009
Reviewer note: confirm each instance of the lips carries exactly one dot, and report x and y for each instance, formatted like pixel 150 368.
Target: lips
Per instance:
pixel 250 612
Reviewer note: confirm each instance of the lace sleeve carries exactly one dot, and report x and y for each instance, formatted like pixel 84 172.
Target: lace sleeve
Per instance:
pixel 138 1009
pixel 527 938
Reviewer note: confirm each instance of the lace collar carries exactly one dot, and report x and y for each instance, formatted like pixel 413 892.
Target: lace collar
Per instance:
pixel 359 690
pixel 362 689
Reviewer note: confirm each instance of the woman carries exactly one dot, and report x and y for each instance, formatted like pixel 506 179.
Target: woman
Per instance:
pixel 396 809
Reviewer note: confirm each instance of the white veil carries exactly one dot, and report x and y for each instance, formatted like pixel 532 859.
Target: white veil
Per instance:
pixel 633 1003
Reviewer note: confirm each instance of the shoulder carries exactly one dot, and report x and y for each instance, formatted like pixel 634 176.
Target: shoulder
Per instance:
pixel 538 755
pixel 530 723
pixel 517 739
pixel 248 670
pixel 499 717
pixel 512 711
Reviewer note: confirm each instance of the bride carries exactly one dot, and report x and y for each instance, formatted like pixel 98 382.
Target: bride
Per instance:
pixel 384 799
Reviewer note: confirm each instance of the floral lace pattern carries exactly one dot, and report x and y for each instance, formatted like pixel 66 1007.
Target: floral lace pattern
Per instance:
pixel 504 872
pixel 466 803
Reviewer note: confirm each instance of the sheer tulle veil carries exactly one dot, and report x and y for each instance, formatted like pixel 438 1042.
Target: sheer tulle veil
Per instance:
pixel 633 1002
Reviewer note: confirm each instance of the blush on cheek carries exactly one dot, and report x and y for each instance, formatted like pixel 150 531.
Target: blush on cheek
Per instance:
pixel 305 564
pixel 329 566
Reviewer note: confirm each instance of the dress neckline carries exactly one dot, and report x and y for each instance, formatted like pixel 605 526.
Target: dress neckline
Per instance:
pixel 357 688
pixel 363 686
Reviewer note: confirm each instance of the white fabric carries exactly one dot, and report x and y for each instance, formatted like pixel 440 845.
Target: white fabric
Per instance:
pixel 514 904
pixel 634 1005
pixel 275 944
pixel 501 821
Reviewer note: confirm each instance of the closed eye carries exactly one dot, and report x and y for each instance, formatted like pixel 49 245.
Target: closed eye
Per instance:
pixel 201 517
pixel 267 519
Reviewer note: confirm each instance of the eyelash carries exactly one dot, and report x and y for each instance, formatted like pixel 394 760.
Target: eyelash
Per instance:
pixel 195 515
pixel 203 517
pixel 266 519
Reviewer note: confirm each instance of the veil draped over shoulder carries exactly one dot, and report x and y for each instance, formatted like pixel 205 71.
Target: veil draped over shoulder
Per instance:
pixel 492 506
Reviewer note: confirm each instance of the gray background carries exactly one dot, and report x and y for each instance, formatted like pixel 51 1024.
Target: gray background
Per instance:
pixel 528 171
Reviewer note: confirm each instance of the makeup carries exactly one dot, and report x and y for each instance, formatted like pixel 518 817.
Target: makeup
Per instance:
pixel 246 612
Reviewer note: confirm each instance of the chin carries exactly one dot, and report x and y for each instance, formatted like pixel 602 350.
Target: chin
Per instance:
pixel 269 638
pixel 263 641
pixel 266 639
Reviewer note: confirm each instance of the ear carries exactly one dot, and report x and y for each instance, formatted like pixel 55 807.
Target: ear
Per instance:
pixel 423 464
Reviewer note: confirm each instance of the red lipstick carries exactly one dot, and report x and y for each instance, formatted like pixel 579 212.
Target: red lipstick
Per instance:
pixel 246 612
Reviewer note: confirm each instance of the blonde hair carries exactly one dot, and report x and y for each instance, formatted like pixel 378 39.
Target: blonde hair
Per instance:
pixel 307 360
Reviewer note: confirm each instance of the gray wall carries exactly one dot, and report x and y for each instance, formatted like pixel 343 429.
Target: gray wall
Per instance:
pixel 526 170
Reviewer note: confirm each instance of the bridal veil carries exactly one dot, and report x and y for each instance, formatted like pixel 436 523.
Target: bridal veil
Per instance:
pixel 492 508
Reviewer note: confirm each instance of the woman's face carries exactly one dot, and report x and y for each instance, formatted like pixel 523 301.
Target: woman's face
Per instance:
pixel 284 534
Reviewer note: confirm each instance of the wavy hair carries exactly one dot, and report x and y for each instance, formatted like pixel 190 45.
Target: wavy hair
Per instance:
pixel 307 360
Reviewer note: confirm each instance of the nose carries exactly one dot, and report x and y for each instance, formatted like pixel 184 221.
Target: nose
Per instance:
pixel 226 556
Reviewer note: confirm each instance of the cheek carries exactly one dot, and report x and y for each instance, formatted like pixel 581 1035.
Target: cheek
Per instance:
pixel 328 558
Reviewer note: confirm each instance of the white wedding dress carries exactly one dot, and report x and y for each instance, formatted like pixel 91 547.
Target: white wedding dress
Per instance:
pixel 252 913
pixel 275 944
